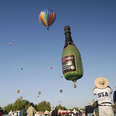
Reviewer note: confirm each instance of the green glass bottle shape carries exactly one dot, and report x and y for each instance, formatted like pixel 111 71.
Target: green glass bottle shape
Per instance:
pixel 71 59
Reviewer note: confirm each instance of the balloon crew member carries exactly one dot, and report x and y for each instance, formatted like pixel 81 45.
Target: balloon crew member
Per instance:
pixel 31 110
pixel 55 112
pixel 1 112
pixel 103 93
pixel 114 96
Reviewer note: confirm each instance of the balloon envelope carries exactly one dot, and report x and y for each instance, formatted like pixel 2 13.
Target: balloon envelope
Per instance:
pixel 39 92
pixel 38 96
pixel 61 76
pixel 21 68
pixel 18 91
pixel 60 90
pixel 10 44
pixel 47 17
pixel 51 67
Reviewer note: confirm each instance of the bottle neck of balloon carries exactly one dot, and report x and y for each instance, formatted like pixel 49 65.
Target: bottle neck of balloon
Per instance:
pixel 68 39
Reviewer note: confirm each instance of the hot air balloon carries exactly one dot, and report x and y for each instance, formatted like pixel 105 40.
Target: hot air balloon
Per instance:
pixel 38 96
pixel 21 68
pixel 10 44
pixel 47 17
pixel 71 59
pixel 61 76
pixel 39 92
pixel 60 90
pixel 51 67
pixel 17 91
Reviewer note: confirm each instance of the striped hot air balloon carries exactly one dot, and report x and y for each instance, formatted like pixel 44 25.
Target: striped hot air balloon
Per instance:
pixel 47 17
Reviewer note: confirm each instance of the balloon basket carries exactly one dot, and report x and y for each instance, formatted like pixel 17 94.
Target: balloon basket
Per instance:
pixel 47 28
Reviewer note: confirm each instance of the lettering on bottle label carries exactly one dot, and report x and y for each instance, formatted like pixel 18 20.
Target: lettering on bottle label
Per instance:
pixel 68 64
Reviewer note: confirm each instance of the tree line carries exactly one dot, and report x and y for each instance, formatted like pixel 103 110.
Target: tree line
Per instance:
pixel 20 104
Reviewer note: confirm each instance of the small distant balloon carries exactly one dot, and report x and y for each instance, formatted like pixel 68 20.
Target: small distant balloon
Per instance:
pixel 17 91
pixel 39 92
pixel 51 67
pixel 61 76
pixel 10 44
pixel 21 68
pixel 60 90
pixel 38 96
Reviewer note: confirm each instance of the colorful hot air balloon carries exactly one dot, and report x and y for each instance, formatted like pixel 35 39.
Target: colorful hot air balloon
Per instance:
pixel 47 17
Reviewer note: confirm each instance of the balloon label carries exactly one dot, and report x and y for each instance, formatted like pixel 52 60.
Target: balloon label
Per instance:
pixel 68 64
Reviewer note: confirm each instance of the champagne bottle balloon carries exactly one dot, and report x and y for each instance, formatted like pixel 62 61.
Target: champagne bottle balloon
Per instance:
pixel 71 59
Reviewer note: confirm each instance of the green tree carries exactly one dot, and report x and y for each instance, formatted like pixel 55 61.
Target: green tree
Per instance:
pixel 17 105
pixel 76 108
pixel 43 106
pixel 0 108
pixel 20 104
pixel 83 109
pixel 61 107
pixel 8 108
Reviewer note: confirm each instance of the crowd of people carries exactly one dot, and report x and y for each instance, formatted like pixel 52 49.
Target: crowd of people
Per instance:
pixel 32 112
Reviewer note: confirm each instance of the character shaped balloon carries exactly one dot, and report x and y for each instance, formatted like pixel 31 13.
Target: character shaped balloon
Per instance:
pixel 71 59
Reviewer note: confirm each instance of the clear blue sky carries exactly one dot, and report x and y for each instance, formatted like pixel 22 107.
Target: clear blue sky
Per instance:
pixel 93 27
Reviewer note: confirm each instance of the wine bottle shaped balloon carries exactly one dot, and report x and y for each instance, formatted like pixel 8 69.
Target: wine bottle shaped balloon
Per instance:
pixel 71 59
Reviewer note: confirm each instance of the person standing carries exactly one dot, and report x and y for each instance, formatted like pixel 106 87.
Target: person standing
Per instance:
pixel 31 111
pixel 23 112
pixel 0 113
pixel 54 112
pixel 103 93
